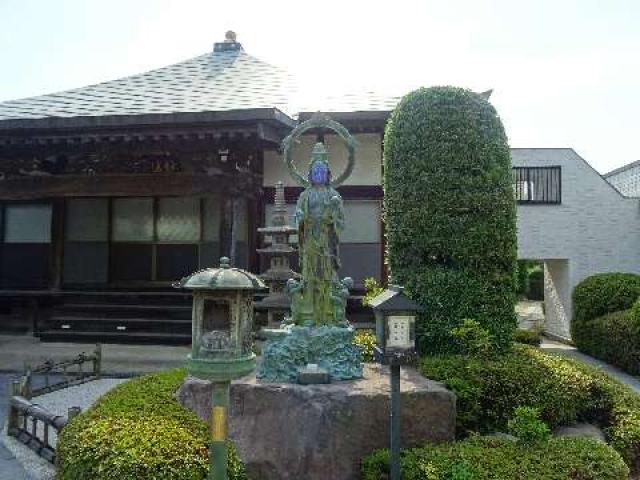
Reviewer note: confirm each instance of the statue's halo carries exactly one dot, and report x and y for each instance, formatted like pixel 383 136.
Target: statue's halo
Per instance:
pixel 324 121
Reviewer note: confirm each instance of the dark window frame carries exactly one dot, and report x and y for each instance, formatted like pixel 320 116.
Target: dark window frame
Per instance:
pixel 549 176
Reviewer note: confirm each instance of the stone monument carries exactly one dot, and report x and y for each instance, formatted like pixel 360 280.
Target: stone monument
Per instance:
pixel 318 340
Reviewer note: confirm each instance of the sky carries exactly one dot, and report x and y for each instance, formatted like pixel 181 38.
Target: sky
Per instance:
pixel 565 73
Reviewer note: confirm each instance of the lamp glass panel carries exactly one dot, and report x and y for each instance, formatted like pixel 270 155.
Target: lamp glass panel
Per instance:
pixel 399 333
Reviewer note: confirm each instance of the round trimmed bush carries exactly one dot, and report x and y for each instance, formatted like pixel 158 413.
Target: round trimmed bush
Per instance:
pixel 450 213
pixel 138 431
pixel 599 295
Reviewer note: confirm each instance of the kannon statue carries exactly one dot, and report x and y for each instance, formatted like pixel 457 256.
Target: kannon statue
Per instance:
pixel 319 297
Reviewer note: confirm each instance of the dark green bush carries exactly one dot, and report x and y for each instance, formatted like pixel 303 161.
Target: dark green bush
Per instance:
pixel 564 390
pixel 597 329
pixel 450 213
pixel 490 389
pixel 614 338
pixel 485 458
pixel 138 431
pixel 528 337
pixel 600 294
pixel 527 426
pixel 536 285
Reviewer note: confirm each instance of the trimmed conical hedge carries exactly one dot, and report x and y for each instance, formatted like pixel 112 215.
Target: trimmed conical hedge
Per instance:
pixel 450 213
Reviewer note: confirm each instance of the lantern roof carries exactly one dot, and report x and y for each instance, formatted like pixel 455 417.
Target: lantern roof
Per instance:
pixel 222 278
pixel 393 299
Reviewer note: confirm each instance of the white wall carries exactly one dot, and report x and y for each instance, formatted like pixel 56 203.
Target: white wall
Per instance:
pixel 367 170
pixel 594 228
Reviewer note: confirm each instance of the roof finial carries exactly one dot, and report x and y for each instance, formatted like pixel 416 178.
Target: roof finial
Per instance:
pixel 230 43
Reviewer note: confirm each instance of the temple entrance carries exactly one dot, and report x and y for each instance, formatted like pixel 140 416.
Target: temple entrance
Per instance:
pixel 139 240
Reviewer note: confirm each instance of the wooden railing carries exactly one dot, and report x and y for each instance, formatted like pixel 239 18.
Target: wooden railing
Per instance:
pixel 34 425
pixel 72 372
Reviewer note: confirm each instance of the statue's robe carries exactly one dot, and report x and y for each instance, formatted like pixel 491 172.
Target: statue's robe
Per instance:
pixel 320 219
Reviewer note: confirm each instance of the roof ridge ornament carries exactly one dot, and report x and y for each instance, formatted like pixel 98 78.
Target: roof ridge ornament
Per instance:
pixel 320 120
pixel 230 43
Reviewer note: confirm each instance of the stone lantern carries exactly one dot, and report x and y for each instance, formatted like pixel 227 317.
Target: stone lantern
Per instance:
pixel 222 339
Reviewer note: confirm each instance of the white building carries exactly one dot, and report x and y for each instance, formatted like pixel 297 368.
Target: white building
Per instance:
pixel 626 179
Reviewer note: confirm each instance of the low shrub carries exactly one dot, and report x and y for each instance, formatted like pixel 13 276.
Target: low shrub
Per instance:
pixel 490 389
pixel 564 390
pixel 599 295
pixel 527 426
pixel 365 339
pixel 614 338
pixel 528 337
pixel 139 431
pixel 484 458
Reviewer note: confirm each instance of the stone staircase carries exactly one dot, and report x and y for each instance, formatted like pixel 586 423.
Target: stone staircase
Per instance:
pixel 120 317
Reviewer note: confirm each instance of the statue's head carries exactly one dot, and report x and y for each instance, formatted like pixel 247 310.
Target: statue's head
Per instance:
pixel 319 172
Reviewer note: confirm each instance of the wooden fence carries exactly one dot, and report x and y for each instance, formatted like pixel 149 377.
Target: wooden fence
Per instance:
pixel 33 424
pixel 58 375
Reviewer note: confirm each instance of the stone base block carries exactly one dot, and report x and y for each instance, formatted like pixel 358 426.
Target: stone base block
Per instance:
pixel 287 431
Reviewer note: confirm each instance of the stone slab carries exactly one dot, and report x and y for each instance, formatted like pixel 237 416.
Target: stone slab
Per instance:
pixel 287 431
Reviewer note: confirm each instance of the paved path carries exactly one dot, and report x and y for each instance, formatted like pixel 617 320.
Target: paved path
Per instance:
pixel 563 349
pixel 10 468
pixel 117 360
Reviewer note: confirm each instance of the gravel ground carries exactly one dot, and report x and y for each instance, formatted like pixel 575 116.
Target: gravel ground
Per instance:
pixel 58 403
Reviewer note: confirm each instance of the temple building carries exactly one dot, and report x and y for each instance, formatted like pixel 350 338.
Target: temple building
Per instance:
pixel 110 193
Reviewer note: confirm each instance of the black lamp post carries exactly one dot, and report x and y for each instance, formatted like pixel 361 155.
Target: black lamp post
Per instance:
pixel 395 346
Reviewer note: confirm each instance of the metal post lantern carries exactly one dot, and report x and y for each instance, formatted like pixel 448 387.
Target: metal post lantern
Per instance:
pixel 221 343
pixel 395 345
pixel 395 315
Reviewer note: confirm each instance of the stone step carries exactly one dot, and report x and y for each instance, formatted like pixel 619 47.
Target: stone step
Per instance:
pixel 146 338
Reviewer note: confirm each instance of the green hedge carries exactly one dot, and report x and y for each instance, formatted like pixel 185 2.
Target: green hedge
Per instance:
pixel 599 295
pixel 564 390
pixel 138 431
pixel 450 213
pixel 484 458
pixel 604 325
pixel 489 390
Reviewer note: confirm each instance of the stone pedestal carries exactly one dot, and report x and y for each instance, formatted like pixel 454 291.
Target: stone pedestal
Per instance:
pixel 318 432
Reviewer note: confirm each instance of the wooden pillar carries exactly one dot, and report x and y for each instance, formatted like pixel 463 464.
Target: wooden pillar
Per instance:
pixel 57 242
pixel 235 221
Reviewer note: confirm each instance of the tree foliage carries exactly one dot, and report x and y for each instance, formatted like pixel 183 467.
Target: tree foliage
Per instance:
pixel 450 213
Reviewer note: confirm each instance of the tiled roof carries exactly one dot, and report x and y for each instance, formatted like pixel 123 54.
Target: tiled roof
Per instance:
pixel 352 102
pixel 219 81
